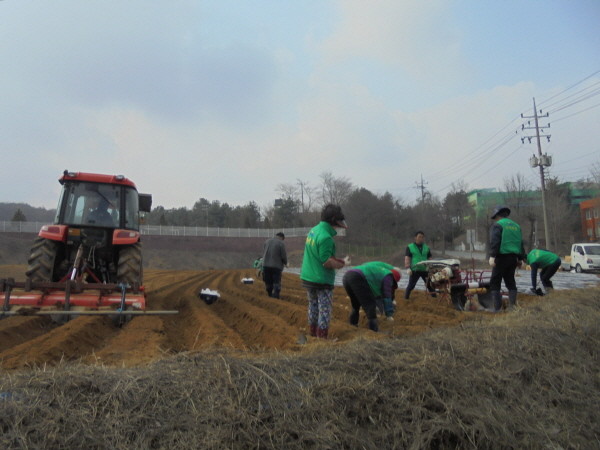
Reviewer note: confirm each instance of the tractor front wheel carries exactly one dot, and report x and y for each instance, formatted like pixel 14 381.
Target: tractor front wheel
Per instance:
pixel 40 265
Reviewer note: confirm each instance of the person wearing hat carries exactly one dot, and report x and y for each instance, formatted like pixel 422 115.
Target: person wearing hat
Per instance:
pixel 365 284
pixel 549 263
pixel 506 253
pixel 416 253
pixel 273 260
pixel 318 269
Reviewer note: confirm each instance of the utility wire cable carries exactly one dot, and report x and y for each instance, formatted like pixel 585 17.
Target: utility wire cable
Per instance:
pixel 576 101
pixel 568 98
pixel 474 151
pixel 569 88
pixel 577 113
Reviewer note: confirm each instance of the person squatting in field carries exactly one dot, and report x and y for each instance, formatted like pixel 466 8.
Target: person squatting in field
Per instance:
pixel 318 269
pixel 549 263
pixel 367 283
pixel 416 253
pixel 506 254
pixel 273 260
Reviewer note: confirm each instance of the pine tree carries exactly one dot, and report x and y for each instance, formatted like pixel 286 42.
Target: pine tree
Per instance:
pixel 19 216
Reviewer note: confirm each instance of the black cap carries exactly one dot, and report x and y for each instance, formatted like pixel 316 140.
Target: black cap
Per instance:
pixel 502 210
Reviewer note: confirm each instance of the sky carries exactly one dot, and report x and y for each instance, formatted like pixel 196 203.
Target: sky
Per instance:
pixel 225 99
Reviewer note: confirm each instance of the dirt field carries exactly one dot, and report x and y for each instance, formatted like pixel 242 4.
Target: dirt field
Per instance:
pixel 244 318
pixel 526 379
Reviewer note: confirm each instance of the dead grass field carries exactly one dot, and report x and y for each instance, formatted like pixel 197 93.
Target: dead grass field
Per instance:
pixel 232 375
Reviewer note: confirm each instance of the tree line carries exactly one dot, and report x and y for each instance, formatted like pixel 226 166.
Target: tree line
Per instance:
pixel 379 219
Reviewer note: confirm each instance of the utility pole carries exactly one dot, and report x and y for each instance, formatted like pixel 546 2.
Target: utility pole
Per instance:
pixel 301 183
pixel 541 161
pixel 422 188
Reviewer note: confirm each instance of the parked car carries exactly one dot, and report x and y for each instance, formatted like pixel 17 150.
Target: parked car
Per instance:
pixel 585 257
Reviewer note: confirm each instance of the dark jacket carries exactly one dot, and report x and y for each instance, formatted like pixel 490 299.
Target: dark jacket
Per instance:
pixel 274 254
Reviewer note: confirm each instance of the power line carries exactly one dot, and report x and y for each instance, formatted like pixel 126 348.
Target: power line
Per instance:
pixel 569 88
pixel 458 169
pixel 567 98
pixel 577 100
pixel 459 162
pixel 577 113
pixel 495 166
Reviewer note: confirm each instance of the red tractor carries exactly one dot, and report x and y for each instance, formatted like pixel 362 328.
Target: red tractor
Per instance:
pixel 91 257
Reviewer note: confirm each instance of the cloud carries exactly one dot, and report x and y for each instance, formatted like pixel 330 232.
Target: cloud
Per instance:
pixel 415 38
pixel 142 56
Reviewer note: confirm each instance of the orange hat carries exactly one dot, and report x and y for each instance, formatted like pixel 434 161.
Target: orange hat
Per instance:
pixel 396 274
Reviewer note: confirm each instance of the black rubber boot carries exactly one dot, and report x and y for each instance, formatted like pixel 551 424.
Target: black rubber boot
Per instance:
pixel 497 299
pixel 276 291
pixel 353 319
pixel 512 299
pixel 373 325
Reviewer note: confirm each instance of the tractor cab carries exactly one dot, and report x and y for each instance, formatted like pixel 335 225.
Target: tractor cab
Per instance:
pixel 100 201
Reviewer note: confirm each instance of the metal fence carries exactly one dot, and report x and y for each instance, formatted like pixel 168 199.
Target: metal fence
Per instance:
pixel 164 230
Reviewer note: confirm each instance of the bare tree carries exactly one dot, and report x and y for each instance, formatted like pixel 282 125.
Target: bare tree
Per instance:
pixel 335 190
pixel 595 173
pixel 287 191
pixel 563 217
pixel 517 189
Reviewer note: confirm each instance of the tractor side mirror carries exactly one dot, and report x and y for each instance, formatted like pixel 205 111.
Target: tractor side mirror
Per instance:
pixel 145 202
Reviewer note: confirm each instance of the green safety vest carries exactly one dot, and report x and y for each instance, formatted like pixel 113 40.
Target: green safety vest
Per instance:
pixel 374 272
pixel 417 257
pixel 542 257
pixel 319 247
pixel 512 240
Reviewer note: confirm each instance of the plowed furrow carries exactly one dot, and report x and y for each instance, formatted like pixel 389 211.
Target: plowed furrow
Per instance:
pixel 75 339
pixel 259 328
pixel 144 339
pixel 19 329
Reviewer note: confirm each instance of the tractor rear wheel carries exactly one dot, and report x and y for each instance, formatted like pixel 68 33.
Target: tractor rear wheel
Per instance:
pixel 40 265
pixel 130 269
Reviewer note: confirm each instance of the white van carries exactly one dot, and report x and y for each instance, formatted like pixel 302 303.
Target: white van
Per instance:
pixel 585 257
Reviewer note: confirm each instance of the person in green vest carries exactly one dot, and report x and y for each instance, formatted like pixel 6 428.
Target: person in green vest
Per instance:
pixel 549 263
pixel 506 254
pixel 318 269
pixel 367 283
pixel 258 265
pixel 417 252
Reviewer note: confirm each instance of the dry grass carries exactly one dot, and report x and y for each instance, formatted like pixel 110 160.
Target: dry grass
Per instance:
pixel 527 379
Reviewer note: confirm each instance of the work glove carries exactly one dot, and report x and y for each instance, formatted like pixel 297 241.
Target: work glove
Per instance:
pixel 408 272
pixel 347 260
pixel 492 261
pixel 388 307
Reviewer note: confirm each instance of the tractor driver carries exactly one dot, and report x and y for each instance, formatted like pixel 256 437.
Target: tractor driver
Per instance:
pixel 100 215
